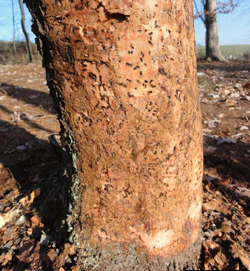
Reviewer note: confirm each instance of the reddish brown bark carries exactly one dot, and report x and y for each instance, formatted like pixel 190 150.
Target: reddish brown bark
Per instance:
pixel 123 76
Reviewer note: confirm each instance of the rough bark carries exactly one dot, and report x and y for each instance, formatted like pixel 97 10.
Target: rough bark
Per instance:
pixel 25 32
pixel 213 52
pixel 123 77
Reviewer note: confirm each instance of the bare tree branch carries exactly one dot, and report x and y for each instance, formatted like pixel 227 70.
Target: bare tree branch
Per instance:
pixel 198 13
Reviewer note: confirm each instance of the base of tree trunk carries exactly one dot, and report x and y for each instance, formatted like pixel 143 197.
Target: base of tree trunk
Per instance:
pixel 121 257
pixel 116 256
pixel 220 58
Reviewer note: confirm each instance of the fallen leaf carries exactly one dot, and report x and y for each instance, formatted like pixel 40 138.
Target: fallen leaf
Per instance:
pixel 2 221
pixel 52 254
pixel 7 258
pixel 226 226
pixel 239 252
pixel 208 263
pixel 242 128
pixel 212 245
pixel 28 199
pixel 247 85
pixel 9 216
pixel 72 250
pixel 29 231
pixel 243 192
pixel 221 259
pixel 215 205
pixel 8 235
pixel 35 220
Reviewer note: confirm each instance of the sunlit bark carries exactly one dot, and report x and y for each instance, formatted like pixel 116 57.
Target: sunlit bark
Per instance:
pixel 123 77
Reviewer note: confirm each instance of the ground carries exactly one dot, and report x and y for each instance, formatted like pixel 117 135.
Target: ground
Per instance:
pixel 30 169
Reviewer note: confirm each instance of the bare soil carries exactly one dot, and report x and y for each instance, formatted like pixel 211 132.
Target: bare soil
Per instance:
pixel 30 170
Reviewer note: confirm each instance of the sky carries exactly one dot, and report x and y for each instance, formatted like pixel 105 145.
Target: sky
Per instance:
pixel 234 28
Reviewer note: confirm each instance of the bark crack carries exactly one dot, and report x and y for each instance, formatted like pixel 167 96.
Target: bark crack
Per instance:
pixel 116 16
pixel 119 17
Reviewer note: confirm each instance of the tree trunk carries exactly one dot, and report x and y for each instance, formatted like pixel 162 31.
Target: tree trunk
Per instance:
pixel 25 32
pixel 14 31
pixel 213 52
pixel 123 78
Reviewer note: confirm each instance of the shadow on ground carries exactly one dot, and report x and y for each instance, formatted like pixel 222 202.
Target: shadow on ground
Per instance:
pixel 30 96
pixel 231 161
pixel 232 66
pixel 33 200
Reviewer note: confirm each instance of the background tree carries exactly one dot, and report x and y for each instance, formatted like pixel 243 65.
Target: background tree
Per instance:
pixel 208 15
pixel 11 34
pixel 123 78
pixel 14 31
pixel 25 32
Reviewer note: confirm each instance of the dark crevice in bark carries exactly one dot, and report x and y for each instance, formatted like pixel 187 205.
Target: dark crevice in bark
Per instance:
pixel 116 16
pixel 119 17
pixel 162 71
